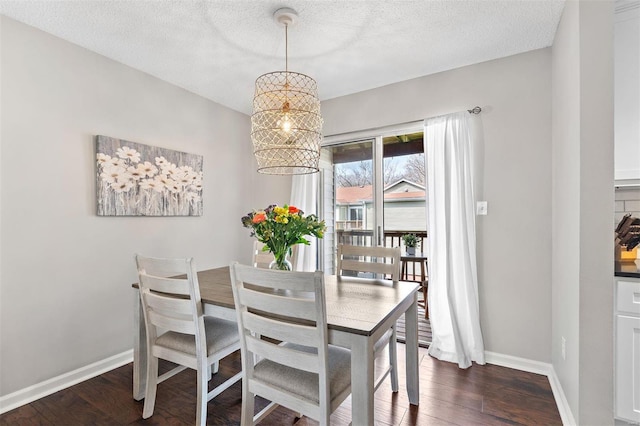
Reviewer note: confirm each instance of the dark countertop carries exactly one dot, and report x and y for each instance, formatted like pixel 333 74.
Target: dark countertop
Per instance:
pixel 627 269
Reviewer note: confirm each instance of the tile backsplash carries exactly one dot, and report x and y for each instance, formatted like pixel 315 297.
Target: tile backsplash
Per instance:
pixel 627 200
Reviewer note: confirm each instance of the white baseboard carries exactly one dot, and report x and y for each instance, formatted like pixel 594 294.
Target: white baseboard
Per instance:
pixel 537 367
pixel 39 390
pixel 561 399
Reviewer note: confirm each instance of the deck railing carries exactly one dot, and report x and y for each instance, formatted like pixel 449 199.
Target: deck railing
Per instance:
pixel 363 237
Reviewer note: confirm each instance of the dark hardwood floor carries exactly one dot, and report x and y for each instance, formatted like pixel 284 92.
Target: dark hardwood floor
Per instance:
pixel 480 395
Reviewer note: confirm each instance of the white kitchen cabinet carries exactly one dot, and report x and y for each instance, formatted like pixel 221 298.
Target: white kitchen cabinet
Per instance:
pixel 627 349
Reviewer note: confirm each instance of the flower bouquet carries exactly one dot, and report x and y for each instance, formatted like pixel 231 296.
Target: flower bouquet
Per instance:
pixel 279 228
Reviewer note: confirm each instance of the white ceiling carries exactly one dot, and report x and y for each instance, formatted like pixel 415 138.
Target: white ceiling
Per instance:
pixel 217 48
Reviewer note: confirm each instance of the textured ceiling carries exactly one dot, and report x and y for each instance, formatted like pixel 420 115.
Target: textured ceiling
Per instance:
pixel 217 48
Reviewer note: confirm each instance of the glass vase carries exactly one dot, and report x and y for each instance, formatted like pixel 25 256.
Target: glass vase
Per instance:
pixel 281 263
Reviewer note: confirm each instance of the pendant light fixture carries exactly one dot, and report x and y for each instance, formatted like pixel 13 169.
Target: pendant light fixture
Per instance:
pixel 286 125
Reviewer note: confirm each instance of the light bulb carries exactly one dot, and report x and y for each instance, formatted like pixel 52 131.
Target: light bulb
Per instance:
pixel 285 123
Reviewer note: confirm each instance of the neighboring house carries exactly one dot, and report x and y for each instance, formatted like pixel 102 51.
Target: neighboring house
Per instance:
pixel 404 207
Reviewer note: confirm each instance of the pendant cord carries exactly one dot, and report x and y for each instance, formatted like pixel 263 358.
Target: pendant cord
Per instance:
pixel 286 48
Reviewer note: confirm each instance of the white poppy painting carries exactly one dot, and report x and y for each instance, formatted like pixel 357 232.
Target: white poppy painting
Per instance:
pixel 133 179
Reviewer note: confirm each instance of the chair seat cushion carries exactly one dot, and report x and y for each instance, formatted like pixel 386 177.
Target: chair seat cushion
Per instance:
pixel 220 334
pixel 304 383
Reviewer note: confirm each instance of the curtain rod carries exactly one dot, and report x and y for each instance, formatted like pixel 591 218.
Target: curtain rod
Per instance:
pixel 365 133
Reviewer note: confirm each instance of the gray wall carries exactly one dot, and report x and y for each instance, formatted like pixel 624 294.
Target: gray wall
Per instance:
pixel 566 202
pixel 65 295
pixel 515 238
pixel 582 254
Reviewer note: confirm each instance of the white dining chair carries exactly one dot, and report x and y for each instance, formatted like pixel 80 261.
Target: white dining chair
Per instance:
pixel 177 330
pixel 383 262
pixel 262 259
pixel 282 322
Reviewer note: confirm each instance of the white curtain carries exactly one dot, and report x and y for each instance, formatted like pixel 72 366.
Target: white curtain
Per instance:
pixel 304 191
pixel 453 278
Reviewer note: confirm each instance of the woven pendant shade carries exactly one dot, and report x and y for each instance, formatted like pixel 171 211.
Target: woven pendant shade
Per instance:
pixel 286 125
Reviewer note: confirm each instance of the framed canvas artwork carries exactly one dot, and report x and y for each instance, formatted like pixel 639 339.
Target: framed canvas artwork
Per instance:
pixel 133 179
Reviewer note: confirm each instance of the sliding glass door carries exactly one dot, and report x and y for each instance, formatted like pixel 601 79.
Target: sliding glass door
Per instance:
pixel 373 190
pixel 355 220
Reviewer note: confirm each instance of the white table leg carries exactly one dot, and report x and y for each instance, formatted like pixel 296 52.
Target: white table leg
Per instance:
pixel 139 350
pixel 362 380
pixel 411 328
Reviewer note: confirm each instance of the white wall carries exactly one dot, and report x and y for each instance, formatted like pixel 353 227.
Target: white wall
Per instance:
pixel 515 238
pixel 582 252
pixel 65 294
pixel 627 91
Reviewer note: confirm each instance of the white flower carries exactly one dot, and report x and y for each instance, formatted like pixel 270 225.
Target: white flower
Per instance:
pixel 151 184
pixel 164 181
pixel 127 153
pixel 123 185
pixel 148 168
pixel 135 173
pixel 187 175
pixel 187 170
pixel 113 161
pixel 174 187
pixel 185 179
pixel 111 173
pixel 196 185
pixel 171 170
pixel 103 158
pixel 161 161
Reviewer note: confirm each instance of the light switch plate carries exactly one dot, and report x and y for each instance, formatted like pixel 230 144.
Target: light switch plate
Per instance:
pixel 481 208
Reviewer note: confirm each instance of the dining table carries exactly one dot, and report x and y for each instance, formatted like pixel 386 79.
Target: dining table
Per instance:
pixel 359 312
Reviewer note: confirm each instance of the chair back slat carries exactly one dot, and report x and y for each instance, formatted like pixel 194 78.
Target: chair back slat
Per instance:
pixel 179 325
pixel 279 280
pixel 167 305
pixel 373 251
pixel 171 286
pixel 377 260
pixel 307 361
pixel 279 304
pixel 280 330
pixel 161 267
pixel 366 266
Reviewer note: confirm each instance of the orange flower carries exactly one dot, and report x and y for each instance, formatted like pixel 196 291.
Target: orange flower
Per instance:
pixel 259 217
pixel 293 210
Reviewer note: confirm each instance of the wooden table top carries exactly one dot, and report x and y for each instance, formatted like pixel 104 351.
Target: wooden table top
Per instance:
pixel 355 305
